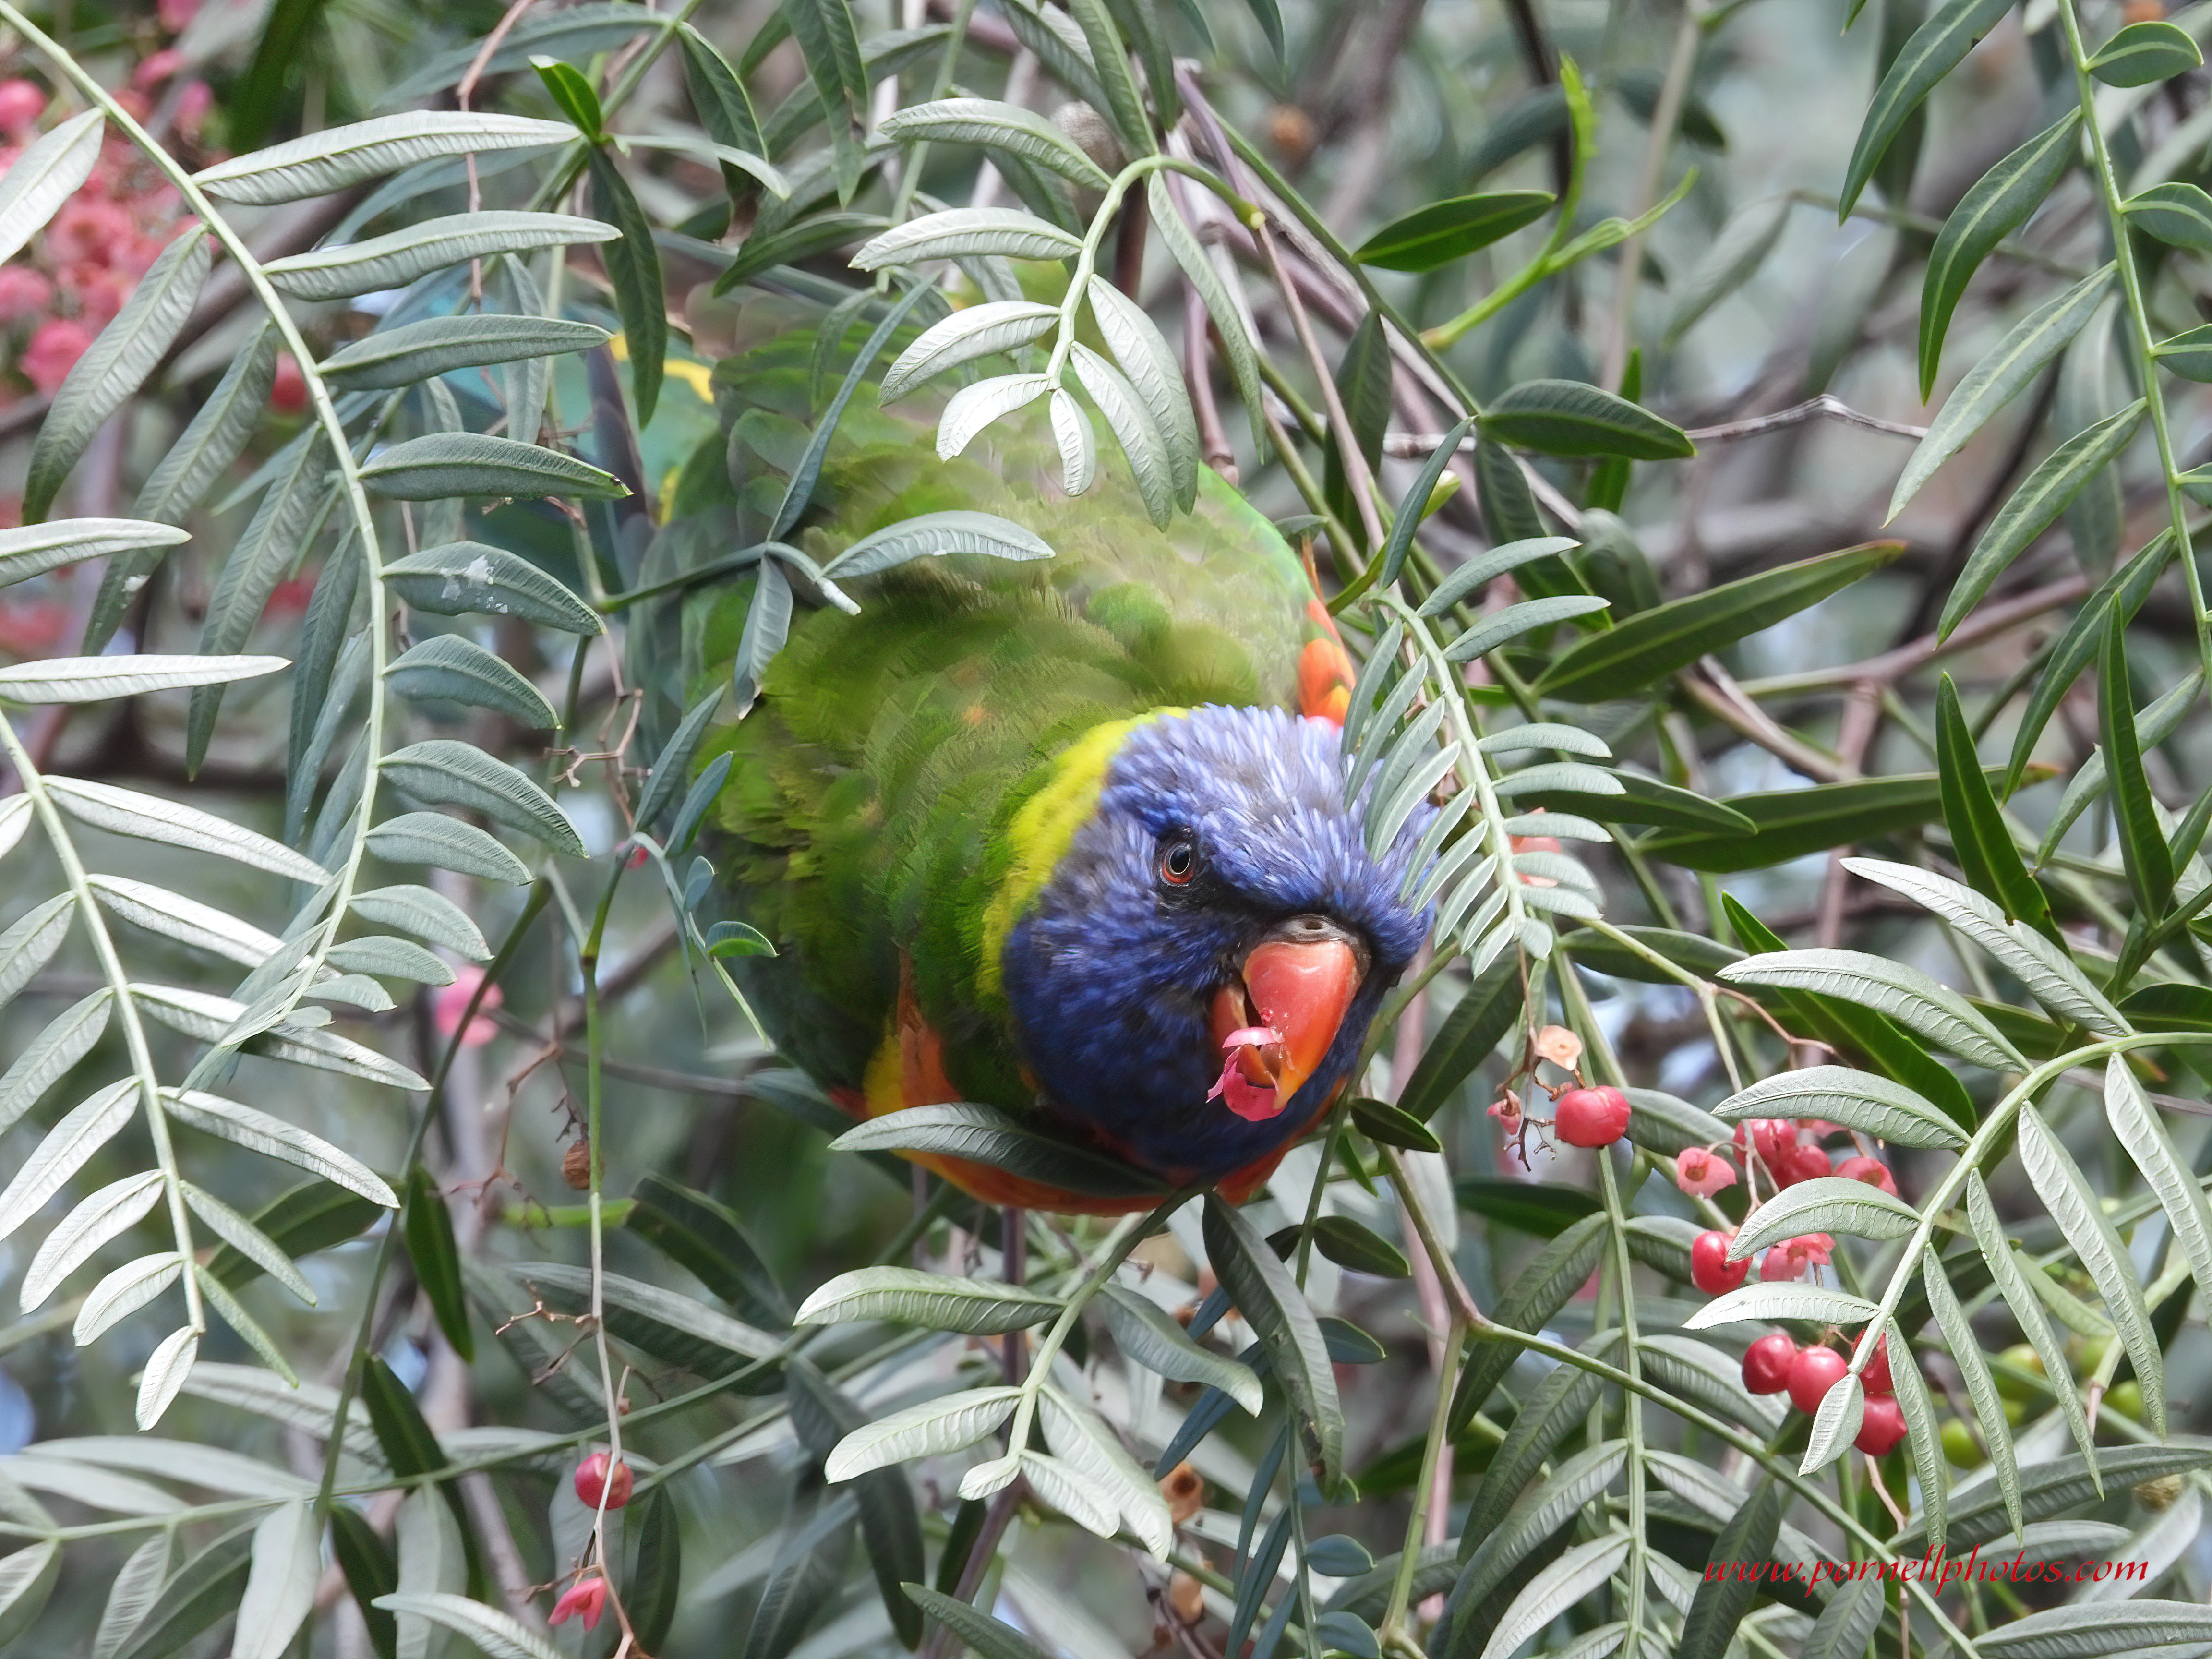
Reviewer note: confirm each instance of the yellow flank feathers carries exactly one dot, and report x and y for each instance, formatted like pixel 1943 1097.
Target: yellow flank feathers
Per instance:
pixel 1044 825
pixel 883 1083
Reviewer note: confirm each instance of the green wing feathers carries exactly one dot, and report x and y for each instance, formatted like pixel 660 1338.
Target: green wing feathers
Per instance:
pixel 864 823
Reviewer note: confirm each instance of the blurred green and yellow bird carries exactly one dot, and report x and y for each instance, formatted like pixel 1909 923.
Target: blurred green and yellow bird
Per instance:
pixel 1066 835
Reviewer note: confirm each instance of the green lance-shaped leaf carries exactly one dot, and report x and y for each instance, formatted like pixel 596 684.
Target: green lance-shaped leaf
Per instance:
pixel 67 1038
pixel 430 1246
pixel 447 843
pixel 929 1430
pixel 1503 627
pixel 116 365
pixel 2000 202
pixel 1148 1335
pixel 1534 1518
pixel 34 549
pixel 2087 1629
pixel 1771 1303
pixel 931 1301
pixel 1640 650
pixel 135 1584
pixel 453 668
pixel 1349 1244
pixel 31 941
pixel 370 1569
pixel 2080 1216
pixel 27 1578
pixel 1546 1286
pixel 495 1634
pixel 1998 377
pixel 2142 840
pixel 979 330
pixel 2188 353
pixel 464 578
pixel 311 1217
pixel 984 1134
pixel 718 98
pixel 150 818
pixel 929 535
pixel 2142 53
pixel 1272 1303
pixel 1827 1203
pixel 1966 1351
pixel 45 176
pixel 445 463
pixel 1849 1620
pixel 653 1582
pixel 2135 1126
pixel 2013 1284
pixel 2044 968
pixel 1895 989
pixel 1005 126
pixel 1148 365
pixel 423 350
pixel 1229 321
pixel 706 1238
pixel 1722 1600
pixel 975 1628
pixel 1572 418
pixel 1859 1100
pixel 216 435
pixel 1393 1125
pixel 574 93
pixel 1736 253
pixel 206 1589
pixel 2120 596
pixel 2179 214
pixel 956 233
pixel 397 259
pixel 337 158
pixel 1567 1583
pixel 447 772
pixel 2056 480
pixel 1933 52
pixel 633 265
pixel 272 1137
pixel 2090 784
pixel 1979 840
pixel 1444 231
pixel 425 912
pixel 67 1148
pixel 1413 504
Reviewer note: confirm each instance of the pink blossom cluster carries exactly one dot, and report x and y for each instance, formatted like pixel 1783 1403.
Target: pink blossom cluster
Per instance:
pixel 79 272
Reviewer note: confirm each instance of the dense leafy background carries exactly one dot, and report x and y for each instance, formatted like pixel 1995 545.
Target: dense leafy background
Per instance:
pixel 1764 444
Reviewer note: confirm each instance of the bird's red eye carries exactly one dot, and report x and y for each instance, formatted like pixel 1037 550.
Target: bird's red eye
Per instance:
pixel 1178 863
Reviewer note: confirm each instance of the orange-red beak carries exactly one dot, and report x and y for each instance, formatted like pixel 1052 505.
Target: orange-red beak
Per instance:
pixel 1296 991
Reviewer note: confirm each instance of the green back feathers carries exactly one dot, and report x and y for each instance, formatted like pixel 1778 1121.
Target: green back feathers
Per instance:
pixel 868 812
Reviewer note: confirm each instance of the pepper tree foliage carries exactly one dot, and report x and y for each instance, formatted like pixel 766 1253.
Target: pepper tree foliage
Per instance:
pixel 1371 1410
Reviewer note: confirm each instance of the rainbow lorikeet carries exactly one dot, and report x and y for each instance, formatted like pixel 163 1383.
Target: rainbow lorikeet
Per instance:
pixel 1067 835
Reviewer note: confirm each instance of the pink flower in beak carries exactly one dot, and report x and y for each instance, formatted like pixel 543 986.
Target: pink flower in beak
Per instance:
pixel 1246 1047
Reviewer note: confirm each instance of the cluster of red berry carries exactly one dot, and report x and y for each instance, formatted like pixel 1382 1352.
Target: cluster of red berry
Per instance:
pixel 1774 1364
pixel 1581 1117
pixel 1790 1151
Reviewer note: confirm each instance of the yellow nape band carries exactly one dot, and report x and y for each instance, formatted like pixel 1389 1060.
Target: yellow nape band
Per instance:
pixel 1043 827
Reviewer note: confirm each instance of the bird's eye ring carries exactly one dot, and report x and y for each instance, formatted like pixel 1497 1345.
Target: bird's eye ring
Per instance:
pixel 1178 863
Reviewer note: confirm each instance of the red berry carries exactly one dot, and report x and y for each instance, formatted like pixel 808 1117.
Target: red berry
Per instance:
pixel 1802 1164
pixel 1766 1364
pixel 289 396
pixel 592 1480
pixel 1876 1376
pixel 1882 1427
pixel 1871 1171
pixel 1811 1374
pixel 1710 1270
pixel 1591 1117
